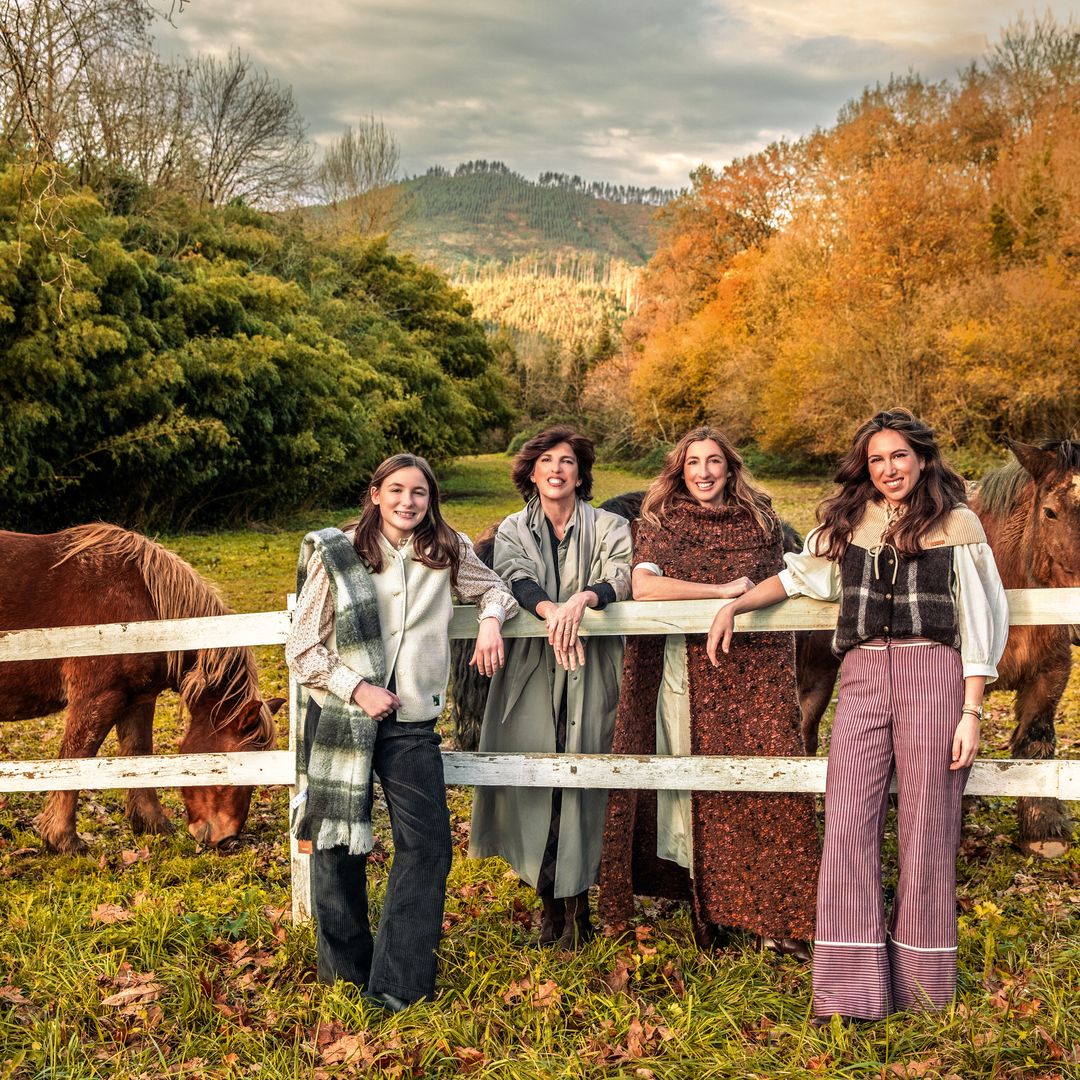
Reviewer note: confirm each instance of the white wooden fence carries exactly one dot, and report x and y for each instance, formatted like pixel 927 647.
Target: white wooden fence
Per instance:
pixel 1053 778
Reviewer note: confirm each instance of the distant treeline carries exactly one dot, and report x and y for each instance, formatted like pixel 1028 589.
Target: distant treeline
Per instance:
pixel 618 193
pixel 925 251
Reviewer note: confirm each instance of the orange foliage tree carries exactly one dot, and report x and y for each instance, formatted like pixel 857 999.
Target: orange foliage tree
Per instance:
pixel 925 250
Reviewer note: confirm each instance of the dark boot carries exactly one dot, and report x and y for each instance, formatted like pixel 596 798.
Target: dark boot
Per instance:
pixel 707 935
pixel 553 920
pixel 578 929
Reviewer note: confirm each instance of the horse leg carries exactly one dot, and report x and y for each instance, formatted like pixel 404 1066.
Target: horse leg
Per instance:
pixel 815 669
pixel 89 720
pixel 135 733
pixel 1045 828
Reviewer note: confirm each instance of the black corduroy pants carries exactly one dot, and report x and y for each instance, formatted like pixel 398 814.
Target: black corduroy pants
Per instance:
pixel 401 960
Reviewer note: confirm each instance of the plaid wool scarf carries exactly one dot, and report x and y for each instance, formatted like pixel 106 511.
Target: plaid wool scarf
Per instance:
pixel 334 808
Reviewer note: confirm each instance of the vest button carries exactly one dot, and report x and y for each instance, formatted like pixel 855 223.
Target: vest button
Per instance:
pixel 885 628
pixel 888 596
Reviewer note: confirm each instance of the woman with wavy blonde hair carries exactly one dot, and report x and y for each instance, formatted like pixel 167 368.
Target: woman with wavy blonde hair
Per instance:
pixel 745 862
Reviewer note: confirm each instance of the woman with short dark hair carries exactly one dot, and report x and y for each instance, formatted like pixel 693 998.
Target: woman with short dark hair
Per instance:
pixel 560 556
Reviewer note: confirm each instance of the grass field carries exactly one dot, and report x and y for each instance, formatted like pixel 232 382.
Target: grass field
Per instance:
pixel 148 958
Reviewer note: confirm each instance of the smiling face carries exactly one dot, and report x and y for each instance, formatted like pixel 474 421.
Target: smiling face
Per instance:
pixel 894 466
pixel 402 499
pixel 556 476
pixel 705 472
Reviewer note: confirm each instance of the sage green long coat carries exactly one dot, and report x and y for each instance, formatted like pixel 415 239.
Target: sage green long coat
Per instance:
pixel 525 695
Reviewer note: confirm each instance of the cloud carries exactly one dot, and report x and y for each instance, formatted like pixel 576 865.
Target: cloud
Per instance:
pixel 633 91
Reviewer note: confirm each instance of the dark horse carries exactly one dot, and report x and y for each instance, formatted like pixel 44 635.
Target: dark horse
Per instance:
pixel 1030 509
pixel 103 574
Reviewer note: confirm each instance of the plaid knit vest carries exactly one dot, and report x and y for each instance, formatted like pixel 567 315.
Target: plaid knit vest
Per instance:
pixel 889 595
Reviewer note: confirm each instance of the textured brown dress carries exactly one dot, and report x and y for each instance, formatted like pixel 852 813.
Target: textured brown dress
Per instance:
pixel 755 856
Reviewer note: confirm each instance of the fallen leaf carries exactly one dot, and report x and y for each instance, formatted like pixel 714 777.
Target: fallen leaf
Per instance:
pixel 547 994
pixel 469 1059
pixel 617 979
pixel 110 913
pixel 132 994
pixel 130 858
pixel 13 996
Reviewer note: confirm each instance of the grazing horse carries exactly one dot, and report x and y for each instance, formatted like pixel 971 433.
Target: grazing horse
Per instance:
pixel 103 574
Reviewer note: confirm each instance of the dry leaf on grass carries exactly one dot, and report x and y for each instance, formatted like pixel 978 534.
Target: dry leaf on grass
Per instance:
pixel 110 913
pixel 130 858
pixel 135 995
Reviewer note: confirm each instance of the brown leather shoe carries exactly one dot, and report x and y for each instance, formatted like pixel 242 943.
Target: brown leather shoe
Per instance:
pixel 578 930
pixel 786 946
pixel 708 935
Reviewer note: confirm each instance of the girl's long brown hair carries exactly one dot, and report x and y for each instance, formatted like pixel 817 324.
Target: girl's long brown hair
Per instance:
pixel 435 544
pixel 669 488
pixel 939 490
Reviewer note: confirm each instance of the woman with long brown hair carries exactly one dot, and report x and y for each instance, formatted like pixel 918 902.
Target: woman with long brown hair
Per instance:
pixel 369 646
pixel 745 862
pixel 559 556
pixel 921 626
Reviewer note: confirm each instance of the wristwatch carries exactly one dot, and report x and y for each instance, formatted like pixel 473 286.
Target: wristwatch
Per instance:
pixel 973 710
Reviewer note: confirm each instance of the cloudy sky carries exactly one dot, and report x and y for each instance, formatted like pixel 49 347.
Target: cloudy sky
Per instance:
pixel 633 91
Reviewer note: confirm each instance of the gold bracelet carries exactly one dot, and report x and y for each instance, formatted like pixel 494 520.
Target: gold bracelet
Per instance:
pixel 973 710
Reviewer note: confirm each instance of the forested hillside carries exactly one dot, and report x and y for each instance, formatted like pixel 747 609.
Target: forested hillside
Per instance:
pixel 483 212
pixel 925 250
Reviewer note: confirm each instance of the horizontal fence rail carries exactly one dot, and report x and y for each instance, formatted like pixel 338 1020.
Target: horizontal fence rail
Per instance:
pixel 1027 607
pixel 1055 778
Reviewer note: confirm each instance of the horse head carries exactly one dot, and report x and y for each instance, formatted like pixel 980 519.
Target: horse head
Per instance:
pixel 217 813
pixel 1054 524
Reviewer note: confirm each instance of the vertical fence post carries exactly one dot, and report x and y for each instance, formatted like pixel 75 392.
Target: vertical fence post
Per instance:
pixel 299 860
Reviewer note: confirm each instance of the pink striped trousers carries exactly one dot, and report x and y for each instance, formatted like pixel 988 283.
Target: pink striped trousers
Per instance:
pixel 898 707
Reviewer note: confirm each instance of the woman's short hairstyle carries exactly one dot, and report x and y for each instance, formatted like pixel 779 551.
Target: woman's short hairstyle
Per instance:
pixel 529 454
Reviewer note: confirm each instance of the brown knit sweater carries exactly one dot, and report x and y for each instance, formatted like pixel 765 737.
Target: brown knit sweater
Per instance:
pixel 755 855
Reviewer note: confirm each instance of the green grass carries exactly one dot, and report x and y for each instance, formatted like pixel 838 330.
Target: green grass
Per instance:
pixel 230 980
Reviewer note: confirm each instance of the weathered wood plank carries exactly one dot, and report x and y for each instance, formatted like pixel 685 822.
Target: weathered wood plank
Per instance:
pixel 1055 778
pixel 1027 607
pixel 158 770
pixel 164 635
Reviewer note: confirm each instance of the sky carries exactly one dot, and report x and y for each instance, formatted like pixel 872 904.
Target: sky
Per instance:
pixel 629 91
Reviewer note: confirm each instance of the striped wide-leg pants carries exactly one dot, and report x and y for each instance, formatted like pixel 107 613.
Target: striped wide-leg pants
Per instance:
pixel 898 707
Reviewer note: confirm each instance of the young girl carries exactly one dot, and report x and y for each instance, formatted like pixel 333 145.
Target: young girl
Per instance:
pixel 922 623
pixel 369 642
pixel 745 861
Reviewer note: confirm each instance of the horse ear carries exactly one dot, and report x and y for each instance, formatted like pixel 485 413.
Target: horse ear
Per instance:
pixel 1037 462
pixel 274 703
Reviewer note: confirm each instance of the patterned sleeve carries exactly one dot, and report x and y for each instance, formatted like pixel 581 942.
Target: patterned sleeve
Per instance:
pixel 309 660
pixel 981 609
pixel 477 584
pixel 808 574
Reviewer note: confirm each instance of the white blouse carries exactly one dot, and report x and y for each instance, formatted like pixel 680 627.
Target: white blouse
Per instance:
pixel 981 608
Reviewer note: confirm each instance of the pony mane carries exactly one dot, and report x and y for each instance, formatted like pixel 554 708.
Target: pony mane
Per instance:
pixel 178 591
pixel 999 490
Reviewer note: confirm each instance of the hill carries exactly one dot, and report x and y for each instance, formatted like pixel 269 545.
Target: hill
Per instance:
pixel 477 215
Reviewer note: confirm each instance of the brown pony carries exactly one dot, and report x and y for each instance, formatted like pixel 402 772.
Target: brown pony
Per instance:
pixel 103 574
pixel 1030 510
